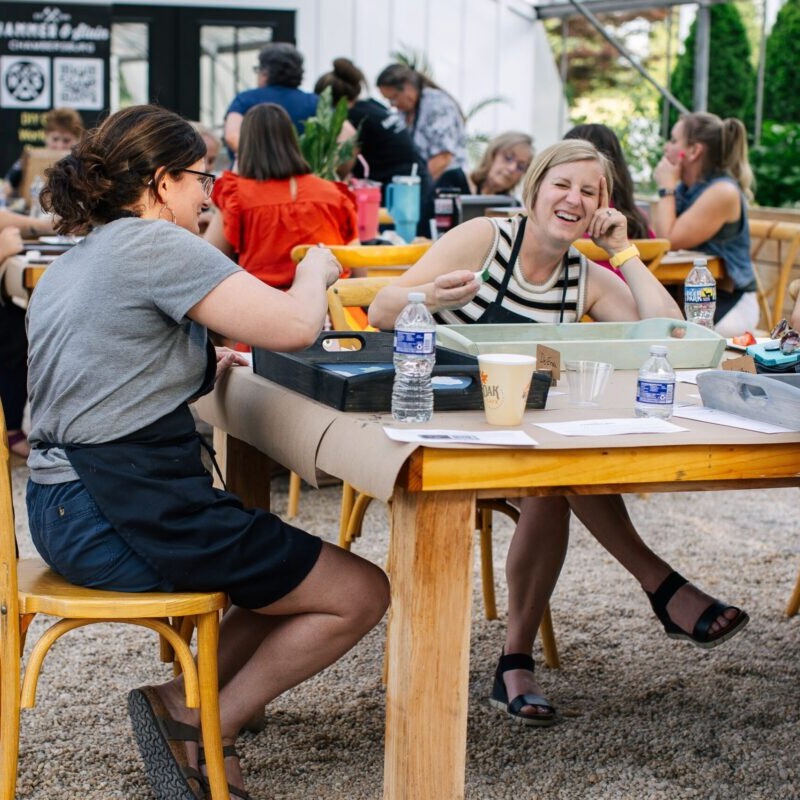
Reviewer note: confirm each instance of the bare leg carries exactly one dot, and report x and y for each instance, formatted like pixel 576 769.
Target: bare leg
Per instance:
pixel 534 562
pixel 608 521
pixel 341 599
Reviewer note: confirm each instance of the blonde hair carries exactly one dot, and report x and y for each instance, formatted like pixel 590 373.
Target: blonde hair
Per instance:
pixel 725 146
pixel 564 152
pixel 505 141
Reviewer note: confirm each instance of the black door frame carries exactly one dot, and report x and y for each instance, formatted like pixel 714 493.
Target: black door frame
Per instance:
pixel 174 45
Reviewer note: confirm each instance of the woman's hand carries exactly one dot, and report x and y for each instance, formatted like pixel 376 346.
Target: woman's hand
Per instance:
pixel 227 358
pixel 453 289
pixel 10 242
pixel 666 174
pixel 609 227
pixel 321 259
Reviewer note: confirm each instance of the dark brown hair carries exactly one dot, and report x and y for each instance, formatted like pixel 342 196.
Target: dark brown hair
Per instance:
pixel 396 76
pixel 268 147
pixel 606 141
pixel 346 80
pixel 108 170
pixel 283 64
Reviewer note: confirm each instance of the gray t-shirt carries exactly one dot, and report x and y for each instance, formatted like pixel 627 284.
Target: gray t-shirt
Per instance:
pixel 110 347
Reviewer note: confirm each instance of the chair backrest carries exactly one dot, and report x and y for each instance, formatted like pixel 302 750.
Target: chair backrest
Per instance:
pixel 378 259
pixel 784 238
pixel 9 600
pixel 651 251
pixel 354 293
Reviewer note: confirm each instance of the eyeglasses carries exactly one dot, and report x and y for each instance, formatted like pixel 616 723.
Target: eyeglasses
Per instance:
pixel 519 166
pixel 207 181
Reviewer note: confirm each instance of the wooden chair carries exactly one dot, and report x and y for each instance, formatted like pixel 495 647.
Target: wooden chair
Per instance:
pixel 379 261
pixel 361 292
pixel 786 238
pixel 28 587
pixel 651 251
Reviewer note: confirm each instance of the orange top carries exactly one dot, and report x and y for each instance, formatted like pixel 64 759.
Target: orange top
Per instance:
pixel 263 221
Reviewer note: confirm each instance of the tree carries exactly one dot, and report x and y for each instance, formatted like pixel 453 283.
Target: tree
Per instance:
pixel 782 68
pixel 731 79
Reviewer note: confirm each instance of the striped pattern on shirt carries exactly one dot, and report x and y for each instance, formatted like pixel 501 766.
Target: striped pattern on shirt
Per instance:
pixel 539 302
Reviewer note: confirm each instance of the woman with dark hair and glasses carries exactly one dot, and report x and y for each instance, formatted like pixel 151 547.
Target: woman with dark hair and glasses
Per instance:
pixel 275 203
pixel 432 115
pixel 501 168
pixel 118 497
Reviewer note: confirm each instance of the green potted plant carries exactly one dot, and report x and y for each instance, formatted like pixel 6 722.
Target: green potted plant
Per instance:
pixel 319 141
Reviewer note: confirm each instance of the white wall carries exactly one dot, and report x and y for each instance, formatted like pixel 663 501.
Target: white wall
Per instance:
pixel 477 48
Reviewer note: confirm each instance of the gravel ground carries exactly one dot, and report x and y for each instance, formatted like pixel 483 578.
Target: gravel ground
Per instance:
pixel 641 716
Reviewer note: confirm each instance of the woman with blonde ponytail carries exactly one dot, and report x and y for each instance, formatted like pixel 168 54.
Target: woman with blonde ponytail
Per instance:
pixel 704 185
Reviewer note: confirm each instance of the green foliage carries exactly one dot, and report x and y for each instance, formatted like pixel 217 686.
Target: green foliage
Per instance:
pixel 782 67
pixel 776 166
pixel 318 142
pixel 731 79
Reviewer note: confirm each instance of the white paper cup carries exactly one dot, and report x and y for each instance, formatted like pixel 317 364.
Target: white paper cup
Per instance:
pixel 587 380
pixel 505 382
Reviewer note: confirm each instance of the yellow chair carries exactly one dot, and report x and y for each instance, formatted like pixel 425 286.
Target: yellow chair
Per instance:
pixel 28 587
pixel 651 251
pixel 771 298
pixel 379 261
pixel 361 292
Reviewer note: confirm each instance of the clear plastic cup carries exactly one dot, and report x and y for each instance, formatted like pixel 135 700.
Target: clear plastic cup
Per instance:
pixel 587 380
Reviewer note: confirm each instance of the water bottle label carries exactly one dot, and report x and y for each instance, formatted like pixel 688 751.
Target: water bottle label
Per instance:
pixel 655 392
pixel 706 293
pixel 418 343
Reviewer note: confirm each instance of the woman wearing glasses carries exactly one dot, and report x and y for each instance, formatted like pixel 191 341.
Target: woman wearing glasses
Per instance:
pixel 118 497
pixel 273 202
pixel 504 162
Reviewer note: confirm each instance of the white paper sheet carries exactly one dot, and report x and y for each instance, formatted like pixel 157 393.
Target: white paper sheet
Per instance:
pixel 717 417
pixel 431 437
pixel 687 375
pixel 611 427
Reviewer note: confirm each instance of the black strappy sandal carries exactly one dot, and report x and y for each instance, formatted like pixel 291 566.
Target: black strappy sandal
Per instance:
pixel 701 635
pixel 228 751
pixel 499 696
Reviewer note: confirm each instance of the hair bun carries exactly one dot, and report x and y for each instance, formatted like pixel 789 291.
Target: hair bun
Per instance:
pixel 347 71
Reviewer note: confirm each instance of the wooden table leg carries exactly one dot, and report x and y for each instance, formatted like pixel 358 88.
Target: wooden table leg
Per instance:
pixel 247 471
pixel 431 552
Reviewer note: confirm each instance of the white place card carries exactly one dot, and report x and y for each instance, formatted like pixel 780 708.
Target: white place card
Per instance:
pixel 611 427
pixel 432 438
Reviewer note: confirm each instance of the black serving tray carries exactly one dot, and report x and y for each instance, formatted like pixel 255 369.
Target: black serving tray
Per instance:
pixel 361 380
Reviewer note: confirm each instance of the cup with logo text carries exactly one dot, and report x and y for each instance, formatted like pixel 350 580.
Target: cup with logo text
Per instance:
pixel 505 382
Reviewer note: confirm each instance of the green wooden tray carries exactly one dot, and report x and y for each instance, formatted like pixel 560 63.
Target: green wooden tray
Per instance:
pixel 626 345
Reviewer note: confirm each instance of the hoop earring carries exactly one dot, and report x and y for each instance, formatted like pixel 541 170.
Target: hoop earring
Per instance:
pixel 166 207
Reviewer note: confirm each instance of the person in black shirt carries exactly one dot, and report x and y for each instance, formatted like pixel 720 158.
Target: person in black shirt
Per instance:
pixel 384 141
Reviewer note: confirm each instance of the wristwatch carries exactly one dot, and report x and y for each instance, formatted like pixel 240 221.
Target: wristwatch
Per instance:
pixel 666 192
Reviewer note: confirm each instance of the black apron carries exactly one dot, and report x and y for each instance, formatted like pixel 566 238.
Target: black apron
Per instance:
pixel 496 313
pixel 152 486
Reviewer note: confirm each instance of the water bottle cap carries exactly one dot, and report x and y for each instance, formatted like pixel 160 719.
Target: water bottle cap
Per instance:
pixel 416 297
pixel 658 350
pixel 701 261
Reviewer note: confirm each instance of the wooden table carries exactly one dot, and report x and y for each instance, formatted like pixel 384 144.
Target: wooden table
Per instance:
pixel 433 494
pixel 676 265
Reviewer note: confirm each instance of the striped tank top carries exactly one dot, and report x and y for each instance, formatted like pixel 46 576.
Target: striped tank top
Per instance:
pixel 561 298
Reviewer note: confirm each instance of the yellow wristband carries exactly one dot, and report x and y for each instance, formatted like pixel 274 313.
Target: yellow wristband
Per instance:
pixel 620 258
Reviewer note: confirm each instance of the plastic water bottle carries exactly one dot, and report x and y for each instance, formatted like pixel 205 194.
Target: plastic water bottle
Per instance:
pixel 414 357
pixel 36 189
pixel 700 294
pixel 655 389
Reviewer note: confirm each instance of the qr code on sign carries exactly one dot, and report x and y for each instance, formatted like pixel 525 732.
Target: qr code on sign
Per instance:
pixel 78 83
